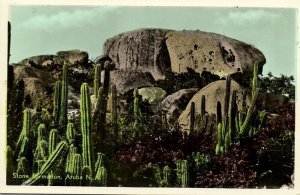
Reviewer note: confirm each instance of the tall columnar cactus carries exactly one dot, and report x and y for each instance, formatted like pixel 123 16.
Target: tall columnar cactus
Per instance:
pixel 86 126
pixel 248 122
pixel 99 162
pixel 136 109
pixel 219 112
pixel 25 133
pixel 41 151
pixel 87 176
pixel 8 41
pixel 254 80
pixel 53 136
pixel 23 166
pixel 224 132
pixel 63 118
pixel 202 106
pixel 10 165
pixel 114 110
pixel 70 134
pixel 53 161
pixel 73 176
pixel 182 173
pixel 101 177
pixel 97 79
pixel 192 117
pixel 166 181
pixel 106 78
pixel 57 102
pixel 99 106
pixel 233 111
pixel 164 121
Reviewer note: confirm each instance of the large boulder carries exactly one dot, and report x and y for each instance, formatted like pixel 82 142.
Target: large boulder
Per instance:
pixel 213 93
pixel 126 80
pixel 176 102
pixel 70 57
pixel 203 51
pixel 140 50
pixel 36 82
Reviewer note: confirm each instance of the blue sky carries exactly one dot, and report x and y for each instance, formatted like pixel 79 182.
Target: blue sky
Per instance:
pixel 48 29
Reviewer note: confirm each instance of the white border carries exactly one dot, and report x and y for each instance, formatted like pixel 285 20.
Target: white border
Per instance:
pixel 4 16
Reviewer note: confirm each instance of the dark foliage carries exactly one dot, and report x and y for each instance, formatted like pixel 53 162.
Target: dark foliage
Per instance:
pixel 174 82
pixel 278 85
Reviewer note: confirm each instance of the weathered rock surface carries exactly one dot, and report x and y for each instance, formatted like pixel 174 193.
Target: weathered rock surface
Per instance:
pixel 175 103
pixel 211 52
pixel 140 50
pixel 154 95
pixel 126 80
pixel 158 50
pixel 213 92
pixel 70 57
pixel 36 81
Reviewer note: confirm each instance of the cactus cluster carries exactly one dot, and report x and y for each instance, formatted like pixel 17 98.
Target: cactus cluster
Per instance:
pixel 238 124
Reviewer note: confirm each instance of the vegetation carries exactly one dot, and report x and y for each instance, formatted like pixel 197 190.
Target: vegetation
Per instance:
pixel 138 147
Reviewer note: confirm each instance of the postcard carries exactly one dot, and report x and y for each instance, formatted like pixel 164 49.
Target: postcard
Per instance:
pixel 122 98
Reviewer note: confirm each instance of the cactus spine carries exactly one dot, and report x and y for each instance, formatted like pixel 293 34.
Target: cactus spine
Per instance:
pixel 63 118
pixel 97 79
pixel 59 152
pixel 57 102
pixel 192 117
pixel 52 141
pixel 86 126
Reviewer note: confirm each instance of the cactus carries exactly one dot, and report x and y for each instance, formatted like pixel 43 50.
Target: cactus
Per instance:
pixel 165 121
pixel 166 181
pixel 97 79
pixel 224 132
pixel 10 165
pixel 99 162
pixel 38 106
pixel 86 126
pixel 137 110
pixel 101 177
pixel 99 106
pixel 25 133
pixel 219 112
pixel 74 171
pixel 70 134
pixel 87 176
pixel 52 141
pixel 192 117
pixel 182 173
pixel 202 105
pixel 23 167
pixel 106 78
pixel 59 152
pixel 254 80
pixel 63 117
pixel 114 110
pixel 57 102
pixel 233 112
pixel 8 41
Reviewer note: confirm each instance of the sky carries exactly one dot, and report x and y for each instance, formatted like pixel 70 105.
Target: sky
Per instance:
pixel 38 30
